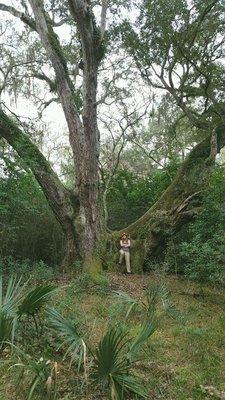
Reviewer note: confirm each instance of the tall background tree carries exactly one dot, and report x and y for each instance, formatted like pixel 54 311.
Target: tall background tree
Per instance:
pixel 175 48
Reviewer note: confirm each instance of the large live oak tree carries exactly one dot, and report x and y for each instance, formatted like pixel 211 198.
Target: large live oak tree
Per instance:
pixel 83 132
pixel 177 57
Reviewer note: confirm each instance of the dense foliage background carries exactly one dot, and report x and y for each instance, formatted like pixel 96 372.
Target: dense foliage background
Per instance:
pixel 160 92
pixel 110 109
pixel 29 230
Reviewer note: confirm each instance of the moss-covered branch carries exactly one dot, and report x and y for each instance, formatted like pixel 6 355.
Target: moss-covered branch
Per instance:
pixel 18 14
pixel 92 36
pixel 59 198
pixel 177 206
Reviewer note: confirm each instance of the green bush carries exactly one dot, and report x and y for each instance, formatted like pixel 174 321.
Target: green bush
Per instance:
pixel 203 256
pixel 130 195
pixel 205 261
pixel 36 271
pixel 28 228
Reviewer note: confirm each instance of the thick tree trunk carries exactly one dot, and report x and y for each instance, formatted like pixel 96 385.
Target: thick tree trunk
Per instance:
pixel 83 132
pixel 84 138
pixel 70 250
pixel 89 188
pixel 88 184
pixel 177 206
pixel 179 203
pixel 63 203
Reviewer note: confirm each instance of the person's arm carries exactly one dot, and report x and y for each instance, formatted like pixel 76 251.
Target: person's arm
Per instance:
pixel 126 244
pixel 121 243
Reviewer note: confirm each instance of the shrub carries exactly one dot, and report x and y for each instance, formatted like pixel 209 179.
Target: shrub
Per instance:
pixel 205 261
pixel 28 228
pixel 15 302
pixel 203 256
pixel 37 271
pixel 130 195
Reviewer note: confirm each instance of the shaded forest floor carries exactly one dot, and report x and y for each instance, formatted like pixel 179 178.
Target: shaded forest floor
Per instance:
pixel 183 360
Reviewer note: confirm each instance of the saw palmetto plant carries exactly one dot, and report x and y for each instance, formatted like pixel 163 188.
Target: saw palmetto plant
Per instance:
pixel 33 302
pixel 127 302
pixel 117 352
pixel 71 338
pixel 10 298
pixel 109 364
pixel 155 302
pixel 112 366
pixel 16 302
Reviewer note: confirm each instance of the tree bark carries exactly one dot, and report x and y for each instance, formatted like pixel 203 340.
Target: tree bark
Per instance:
pixel 178 205
pixel 84 231
pixel 83 133
pixel 89 187
pixel 89 184
pixel 84 138
pixel 63 203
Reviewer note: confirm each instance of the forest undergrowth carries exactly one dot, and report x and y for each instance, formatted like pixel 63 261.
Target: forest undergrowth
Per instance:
pixel 183 357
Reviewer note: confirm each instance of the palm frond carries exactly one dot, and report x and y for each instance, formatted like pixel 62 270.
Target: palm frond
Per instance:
pixel 111 366
pixel 35 300
pixel 127 300
pixel 14 292
pixel 129 383
pixel 159 293
pixel 173 312
pixel 154 295
pixel 146 331
pixel 110 357
pixel 9 302
pixel 70 336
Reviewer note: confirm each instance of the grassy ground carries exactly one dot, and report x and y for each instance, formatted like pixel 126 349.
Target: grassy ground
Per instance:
pixel 183 360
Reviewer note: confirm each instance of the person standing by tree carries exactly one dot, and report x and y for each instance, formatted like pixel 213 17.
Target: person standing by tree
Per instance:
pixel 125 251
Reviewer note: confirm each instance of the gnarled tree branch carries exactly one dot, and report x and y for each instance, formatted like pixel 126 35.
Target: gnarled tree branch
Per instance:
pixel 103 17
pixel 59 198
pixel 18 14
